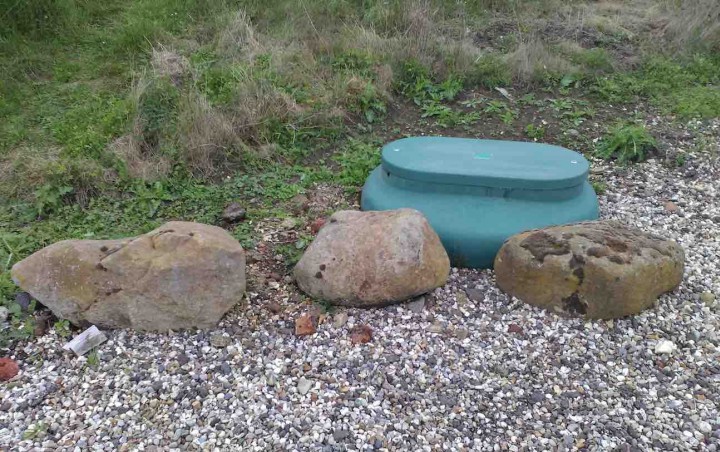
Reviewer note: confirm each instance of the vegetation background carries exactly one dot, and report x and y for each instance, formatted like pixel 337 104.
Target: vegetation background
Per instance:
pixel 120 115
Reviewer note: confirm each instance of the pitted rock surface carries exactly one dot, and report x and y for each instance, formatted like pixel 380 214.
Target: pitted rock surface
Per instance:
pixel 598 269
pixel 181 275
pixel 373 258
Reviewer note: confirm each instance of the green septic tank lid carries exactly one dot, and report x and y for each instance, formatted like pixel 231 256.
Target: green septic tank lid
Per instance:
pixel 487 163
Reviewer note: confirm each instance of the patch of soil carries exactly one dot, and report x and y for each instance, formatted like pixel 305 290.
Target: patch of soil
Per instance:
pixel 501 35
pixel 326 198
pixel 405 119
pixel 269 274
pixel 496 36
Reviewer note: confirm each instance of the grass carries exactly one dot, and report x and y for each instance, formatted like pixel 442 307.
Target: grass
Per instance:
pixel 532 60
pixel 600 187
pixel 688 89
pixel 356 161
pixel 120 115
pixel 199 86
pixel 694 25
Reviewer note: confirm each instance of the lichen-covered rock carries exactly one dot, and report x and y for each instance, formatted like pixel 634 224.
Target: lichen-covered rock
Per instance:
pixel 597 270
pixel 181 275
pixel 373 258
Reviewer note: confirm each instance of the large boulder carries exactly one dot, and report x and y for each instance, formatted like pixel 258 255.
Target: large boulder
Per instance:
pixel 181 275
pixel 596 270
pixel 373 259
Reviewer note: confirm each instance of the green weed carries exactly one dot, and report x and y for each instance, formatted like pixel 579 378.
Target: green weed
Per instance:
pixel 567 82
pixel 446 116
pixel 22 324
pixel 294 251
pixel 356 161
pixel 355 61
pixel 218 84
pixel 35 431
pixel 371 104
pixel 149 197
pixel 627 143
pixel 496 106
pixel 62 328
pixel 502 110
pixel 84 175
pixel 600 187
pixel 436 110
pixel 560 105
pixel 508 116
pixel 578 116
pixel 571 111
pixel 417 84
pixel 473 102
pixel 530 99
pixel 680 159
pixel 695 102
pixel 93 359
pixel 49 197
pixel 535 132
pixel 325 306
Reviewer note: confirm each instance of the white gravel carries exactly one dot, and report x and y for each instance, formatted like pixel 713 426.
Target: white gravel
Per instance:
pixel 474 370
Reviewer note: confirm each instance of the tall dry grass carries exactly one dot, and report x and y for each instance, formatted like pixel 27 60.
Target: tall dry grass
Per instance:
pixel 694 25
pixel 286 47
pixel 532 57
pixel 206 139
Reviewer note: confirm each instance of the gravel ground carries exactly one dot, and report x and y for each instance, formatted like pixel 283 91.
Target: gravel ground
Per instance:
pixel 467 369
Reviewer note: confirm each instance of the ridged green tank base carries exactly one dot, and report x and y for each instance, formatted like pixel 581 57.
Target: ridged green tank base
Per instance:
pixel 474 218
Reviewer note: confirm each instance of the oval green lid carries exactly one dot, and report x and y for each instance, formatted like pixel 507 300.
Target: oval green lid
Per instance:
pixel 487 163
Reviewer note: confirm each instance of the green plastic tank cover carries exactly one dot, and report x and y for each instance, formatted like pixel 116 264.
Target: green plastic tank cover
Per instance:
pixel 477 193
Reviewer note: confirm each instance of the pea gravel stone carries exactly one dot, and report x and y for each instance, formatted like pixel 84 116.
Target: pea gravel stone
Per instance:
pixel 561 384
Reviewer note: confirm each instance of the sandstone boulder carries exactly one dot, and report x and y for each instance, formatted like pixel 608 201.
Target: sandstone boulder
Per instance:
pixel 181 275
pixel 373 258
pixel 596 270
